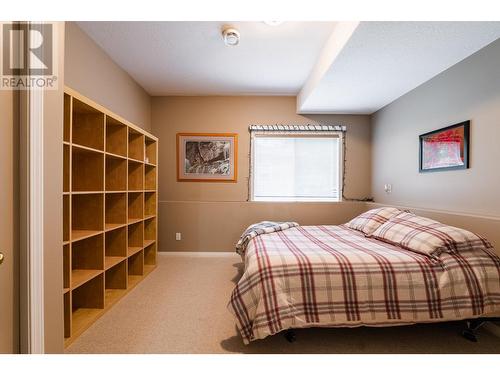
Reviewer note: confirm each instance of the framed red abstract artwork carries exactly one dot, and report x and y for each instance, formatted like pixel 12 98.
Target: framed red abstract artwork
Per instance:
pixel 445 149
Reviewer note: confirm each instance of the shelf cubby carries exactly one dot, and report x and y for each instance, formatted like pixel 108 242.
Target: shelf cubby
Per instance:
pixel 150 177
pixel 87 304
pixel 87 259
pixel 66 164
pixel 87 126
pixel 149 204
pixel 116 277
pixel 116 137
pixel 150 151
pixel 135 175
pixel 116 173
pixel 135 238
pixel 135 145
pixel 67 314
pixel 150 229
pixel 87 215
pixel 136 264
pixel 135 206
pixel 67 118
pixel 115 247
pixel 150 254
pixel 66 219
pixel 66 267
pixel 105 252
pixel 116 210
pixel 87 170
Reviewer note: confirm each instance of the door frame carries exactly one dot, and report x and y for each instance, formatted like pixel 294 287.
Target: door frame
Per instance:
pixel 31 168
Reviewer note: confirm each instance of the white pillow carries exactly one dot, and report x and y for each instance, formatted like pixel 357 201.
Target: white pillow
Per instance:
pixel 427 236
pixel 370 220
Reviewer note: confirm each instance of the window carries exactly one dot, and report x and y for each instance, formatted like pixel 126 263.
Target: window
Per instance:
pixel 296 167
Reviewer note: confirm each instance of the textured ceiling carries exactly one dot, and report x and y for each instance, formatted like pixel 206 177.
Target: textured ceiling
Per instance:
pixel 382 61
pixel 190 58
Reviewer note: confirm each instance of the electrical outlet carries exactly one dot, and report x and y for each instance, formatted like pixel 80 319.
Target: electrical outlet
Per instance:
pixel 388 188
pixel 178 236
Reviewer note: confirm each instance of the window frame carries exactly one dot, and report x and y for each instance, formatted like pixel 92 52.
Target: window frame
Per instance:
pixel 298 134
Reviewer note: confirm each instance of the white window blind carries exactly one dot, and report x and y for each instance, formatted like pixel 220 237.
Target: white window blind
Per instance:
pixel 296 167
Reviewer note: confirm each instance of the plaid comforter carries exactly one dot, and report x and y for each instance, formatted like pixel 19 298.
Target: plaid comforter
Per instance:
pixel 320 276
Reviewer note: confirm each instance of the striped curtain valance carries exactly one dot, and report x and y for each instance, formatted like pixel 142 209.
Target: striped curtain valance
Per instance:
pixel 297 128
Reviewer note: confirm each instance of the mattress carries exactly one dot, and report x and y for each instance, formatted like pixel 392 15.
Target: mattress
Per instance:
pixel 333 276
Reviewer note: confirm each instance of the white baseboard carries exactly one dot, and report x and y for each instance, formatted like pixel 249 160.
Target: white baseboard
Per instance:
pixel 199 254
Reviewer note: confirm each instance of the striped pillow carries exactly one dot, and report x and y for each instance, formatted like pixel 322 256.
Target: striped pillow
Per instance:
pixel 369 221
pixel 427 236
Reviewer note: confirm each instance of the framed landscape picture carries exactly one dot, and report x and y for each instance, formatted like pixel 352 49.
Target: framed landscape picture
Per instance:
pixel 207 157
pixel 445 149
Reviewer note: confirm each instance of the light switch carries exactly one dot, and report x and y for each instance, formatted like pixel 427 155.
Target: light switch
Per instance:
pixel 177 236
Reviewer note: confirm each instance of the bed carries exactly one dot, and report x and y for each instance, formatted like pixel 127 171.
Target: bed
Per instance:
pixel 335 276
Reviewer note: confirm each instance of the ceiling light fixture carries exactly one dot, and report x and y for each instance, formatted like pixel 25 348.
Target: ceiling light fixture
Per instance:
pixel 273 23
pixel 231 36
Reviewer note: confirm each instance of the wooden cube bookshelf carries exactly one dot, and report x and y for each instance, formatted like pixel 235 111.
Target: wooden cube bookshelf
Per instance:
pixel 109 210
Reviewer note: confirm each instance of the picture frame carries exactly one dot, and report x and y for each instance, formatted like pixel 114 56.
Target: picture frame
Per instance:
pixel 445 149
pixel 207 157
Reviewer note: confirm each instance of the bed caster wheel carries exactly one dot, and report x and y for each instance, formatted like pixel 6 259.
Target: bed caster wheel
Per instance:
pixel 469 335
pixel 290 336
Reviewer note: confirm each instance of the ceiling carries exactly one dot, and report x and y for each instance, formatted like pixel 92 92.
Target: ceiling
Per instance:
pixel 382 61
pixel 190 58
pixel 332 67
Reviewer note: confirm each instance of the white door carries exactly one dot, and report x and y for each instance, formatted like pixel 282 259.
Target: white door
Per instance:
pixel 8 275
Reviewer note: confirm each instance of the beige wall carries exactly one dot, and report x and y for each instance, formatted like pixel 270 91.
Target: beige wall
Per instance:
pixel 211 216
pixel 90 71
pixel 469 90
pixel 216 226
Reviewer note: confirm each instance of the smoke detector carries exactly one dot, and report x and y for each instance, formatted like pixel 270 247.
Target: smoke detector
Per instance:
pixel 231 36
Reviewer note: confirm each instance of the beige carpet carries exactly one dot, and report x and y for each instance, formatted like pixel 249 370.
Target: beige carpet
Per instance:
pixel 181 308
